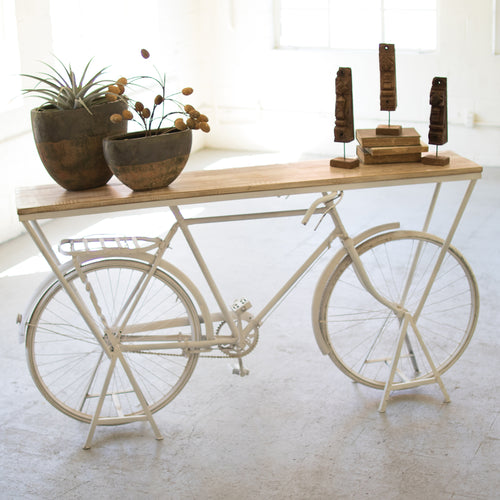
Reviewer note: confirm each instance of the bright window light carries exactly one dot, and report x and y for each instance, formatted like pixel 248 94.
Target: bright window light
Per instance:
pixel 357 24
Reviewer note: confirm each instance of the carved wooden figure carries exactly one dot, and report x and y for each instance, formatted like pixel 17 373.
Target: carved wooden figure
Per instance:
pixel 388 94
pixel 438 122
pixel 344 120
pixel 438 126
pixel 387 64
pixel 344 117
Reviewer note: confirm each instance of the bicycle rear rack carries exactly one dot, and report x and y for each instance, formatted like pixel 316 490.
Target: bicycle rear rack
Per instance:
pixel 109 244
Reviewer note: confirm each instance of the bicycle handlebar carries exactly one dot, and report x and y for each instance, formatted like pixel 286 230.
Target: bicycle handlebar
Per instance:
pixel 324 199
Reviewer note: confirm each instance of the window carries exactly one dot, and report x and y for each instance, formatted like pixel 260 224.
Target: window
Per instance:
pixel 496 27
pixel 357 24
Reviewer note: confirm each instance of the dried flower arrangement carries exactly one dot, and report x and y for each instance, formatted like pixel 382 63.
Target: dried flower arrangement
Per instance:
pixel 152 119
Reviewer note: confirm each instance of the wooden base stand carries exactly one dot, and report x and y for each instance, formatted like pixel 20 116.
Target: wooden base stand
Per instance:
pixel 436 160
pixel 389 130
pixel 344 162
pixel 394 157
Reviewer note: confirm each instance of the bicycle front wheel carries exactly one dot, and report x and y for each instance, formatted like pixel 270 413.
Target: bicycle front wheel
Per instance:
pixel 67 362
pixel 363 333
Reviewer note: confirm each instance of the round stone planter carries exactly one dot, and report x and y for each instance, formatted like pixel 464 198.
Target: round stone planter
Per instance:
pixel 148 162
pixel 69 143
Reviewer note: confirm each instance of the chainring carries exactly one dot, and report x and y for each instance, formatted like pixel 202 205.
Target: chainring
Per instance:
pixel 234 351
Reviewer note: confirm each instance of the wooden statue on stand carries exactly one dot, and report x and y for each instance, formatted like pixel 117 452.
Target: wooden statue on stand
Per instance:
pixel 438 123
pixel 344 119
pixel 388 94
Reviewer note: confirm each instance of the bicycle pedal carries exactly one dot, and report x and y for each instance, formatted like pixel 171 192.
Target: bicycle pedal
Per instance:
pixel 241 305
pixel 241 372
pixel 240 369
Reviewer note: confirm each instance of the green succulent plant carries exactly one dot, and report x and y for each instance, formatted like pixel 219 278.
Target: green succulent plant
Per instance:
pixel 61 89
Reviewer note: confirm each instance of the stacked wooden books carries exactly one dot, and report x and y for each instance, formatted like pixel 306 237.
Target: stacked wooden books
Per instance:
pixel 404 148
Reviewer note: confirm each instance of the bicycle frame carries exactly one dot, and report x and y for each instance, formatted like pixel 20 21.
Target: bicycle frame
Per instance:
pixel 337 232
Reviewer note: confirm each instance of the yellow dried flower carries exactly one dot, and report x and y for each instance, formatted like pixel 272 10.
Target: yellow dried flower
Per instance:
pixel 194 114
pixel 158 99
pixel 187 91
pixel 114 89
pixel 188 108
pixel 127 114
pixel 191 123
pixel 121 88
pixel 204 126
pixel 111 97
pixel 179 124
pixel 122 81
pixel 116 118
pixel 139 106
pixel 145 53
pixel 146 113
pixel 203 118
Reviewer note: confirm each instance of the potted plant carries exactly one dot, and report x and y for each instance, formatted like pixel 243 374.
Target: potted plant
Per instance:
pixel 70 125
pixel 154 156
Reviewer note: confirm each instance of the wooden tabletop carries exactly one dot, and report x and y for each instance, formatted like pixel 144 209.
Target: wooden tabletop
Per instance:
pixel 38 202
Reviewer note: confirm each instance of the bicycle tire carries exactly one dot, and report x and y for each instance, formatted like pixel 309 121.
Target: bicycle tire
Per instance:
pixel 67 363
pixel 362 333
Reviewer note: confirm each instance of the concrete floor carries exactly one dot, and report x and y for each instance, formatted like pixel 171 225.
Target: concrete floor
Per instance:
pixel 296 428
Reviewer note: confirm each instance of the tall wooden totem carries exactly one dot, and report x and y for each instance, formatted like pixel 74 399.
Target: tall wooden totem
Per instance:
pixel 344 116
pixel 438 122
pixel 388 93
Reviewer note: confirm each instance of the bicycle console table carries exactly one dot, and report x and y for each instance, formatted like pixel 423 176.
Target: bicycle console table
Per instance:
pixel 49 201
pixel 114 341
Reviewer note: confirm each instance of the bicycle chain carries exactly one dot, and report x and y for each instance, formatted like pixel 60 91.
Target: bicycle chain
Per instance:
pixel 232 354
pixel 229 352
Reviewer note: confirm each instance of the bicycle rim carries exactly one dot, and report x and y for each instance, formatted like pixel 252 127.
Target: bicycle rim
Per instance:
pixel 363 333
pixel 69 366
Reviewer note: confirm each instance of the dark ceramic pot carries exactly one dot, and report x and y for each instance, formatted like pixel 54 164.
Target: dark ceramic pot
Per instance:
pixel 148 162
pixel 69 143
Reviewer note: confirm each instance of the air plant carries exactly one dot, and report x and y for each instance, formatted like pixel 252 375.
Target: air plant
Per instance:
pixel 61 89
pixel 165 106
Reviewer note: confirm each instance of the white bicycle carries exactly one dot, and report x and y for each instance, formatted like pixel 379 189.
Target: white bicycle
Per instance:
pixel 117 333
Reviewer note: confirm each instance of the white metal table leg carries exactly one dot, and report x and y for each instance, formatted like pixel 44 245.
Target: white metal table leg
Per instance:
pixel 437 376
pixel 113 352
pixel 445 247
pixel 118 355
pixel 390 385
pixel 41 242
pixel 97 413
pixel 140 396
pixel 411 320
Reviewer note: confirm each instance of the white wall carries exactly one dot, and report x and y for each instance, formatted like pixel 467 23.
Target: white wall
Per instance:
pixel 274 99
pixel 259 98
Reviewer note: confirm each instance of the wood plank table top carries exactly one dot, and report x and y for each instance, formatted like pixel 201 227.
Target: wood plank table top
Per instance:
pixel 47 201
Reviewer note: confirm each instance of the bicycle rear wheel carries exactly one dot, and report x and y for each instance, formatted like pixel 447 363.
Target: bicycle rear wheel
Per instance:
pixel 363 333
pixel 68 364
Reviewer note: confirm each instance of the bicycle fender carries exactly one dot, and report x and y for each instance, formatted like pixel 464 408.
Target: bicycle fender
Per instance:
pixel 321 339
pixel 34 299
